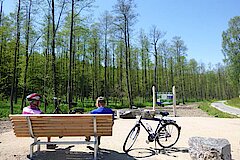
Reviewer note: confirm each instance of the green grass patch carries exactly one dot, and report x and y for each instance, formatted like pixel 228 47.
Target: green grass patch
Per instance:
pixel 235 102
pixel 5 108
pixel 206 107
pixel 88 105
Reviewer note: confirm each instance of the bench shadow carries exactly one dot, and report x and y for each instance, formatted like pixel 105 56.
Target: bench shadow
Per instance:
pixel 67 154
pixel 149 152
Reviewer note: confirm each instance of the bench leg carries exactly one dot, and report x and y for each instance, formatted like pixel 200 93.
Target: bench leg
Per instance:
pixel 38 148
pixel 32 147
pixel 95 147
pixel 31 150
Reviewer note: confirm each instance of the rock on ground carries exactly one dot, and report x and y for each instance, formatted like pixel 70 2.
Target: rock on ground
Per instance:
pixel 201 148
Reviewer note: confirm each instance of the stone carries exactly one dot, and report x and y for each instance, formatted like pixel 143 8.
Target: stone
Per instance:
pixel 201 148
pixel 128 115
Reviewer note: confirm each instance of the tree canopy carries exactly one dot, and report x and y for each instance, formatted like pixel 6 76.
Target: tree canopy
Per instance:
pixel 61 51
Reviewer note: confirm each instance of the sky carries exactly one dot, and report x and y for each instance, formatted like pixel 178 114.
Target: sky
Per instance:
pixel 199 23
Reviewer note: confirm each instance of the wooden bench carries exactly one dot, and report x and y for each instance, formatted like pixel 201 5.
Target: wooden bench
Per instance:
pixel 62 125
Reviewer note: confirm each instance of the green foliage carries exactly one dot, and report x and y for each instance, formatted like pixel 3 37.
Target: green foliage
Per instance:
pixel 235 102
pixel 205 106
pixel 91 77
pixel 231 50
pixel 5 109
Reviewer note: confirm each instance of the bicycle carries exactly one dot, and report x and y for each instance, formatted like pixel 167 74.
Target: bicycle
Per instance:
pixel 166 134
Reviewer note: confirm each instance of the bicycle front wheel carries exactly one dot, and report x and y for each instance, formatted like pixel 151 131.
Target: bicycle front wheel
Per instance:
pixel 131 138
pixel 168 135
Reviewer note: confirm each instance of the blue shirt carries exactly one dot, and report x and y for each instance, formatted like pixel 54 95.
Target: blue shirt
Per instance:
pixel 102 110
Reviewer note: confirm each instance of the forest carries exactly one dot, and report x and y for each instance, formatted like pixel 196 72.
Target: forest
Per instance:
pixel 56 48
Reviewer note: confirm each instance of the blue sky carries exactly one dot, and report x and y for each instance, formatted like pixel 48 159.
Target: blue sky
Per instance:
pixel 199 23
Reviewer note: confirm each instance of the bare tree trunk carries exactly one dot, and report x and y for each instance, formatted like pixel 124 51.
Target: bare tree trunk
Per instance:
pixel 166 72
pixel 74 91
pixel 127 62
pixel 16 49
pixel 143 86
pixel 53 51
pixel 113 66
pixel 28 19
pixel 70 61
pixel 121 73
pixel 83 72
pixel 46 65
pixel 105 58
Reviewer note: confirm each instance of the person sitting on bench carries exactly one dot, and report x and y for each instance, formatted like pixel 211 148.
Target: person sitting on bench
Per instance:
pixel 33 108
pixel 101 109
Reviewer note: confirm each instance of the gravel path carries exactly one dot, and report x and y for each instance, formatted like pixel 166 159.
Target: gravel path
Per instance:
pixel 182 111
pixel 17 148
pixel 194 122
pixel 5 126
pixel 190 110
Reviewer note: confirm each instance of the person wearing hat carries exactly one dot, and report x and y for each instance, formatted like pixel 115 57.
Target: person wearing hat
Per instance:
pixel 33 108
pixel 101 109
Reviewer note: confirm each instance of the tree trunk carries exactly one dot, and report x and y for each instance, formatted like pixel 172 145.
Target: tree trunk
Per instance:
pixel 70 61
pixel 53 51
pixel 26 53
pixel 46 66
pixel 16 49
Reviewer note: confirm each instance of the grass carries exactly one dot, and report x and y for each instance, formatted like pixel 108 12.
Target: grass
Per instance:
pixel 87 105
pixel 5 109
pixel 235 102
pixel 206 107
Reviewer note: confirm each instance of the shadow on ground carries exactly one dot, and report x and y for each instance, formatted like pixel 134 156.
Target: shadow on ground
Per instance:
pixel 67 154
pixel 149 152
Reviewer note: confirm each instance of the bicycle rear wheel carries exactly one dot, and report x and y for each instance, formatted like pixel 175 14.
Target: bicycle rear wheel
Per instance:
pixel 131 138
pixel 168 135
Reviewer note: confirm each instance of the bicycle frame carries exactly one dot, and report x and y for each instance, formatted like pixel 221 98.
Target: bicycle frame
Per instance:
pixel 152 119
pixel 153 135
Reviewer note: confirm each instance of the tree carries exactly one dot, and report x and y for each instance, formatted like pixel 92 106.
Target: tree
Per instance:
pixel 27 39
pixel 16 51
pixel 179 50
pixel 125 18
pixel 231 50
pixel 106 27
pixel 155 35
pixel 144 54
pixel 164 48
pixel 83 5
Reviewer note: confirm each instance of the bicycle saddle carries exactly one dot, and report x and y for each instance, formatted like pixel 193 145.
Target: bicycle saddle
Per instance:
pixel 164 113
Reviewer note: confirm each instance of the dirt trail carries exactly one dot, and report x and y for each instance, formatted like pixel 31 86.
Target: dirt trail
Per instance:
pixel 189 110
pixel 15 148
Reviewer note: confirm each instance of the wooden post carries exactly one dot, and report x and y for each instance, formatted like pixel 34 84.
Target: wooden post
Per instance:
pixel 154 97
pixel 174 101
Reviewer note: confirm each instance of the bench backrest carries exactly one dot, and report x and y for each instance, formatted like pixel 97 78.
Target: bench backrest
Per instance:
pixel 55 125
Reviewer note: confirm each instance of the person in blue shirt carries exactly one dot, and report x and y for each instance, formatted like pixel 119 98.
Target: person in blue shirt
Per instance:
pixel 101 109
